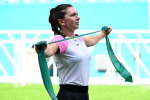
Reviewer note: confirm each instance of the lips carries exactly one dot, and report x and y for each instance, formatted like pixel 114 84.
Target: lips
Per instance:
pixel 77 23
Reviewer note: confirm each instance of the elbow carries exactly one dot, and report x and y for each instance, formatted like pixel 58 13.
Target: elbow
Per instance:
pixel 91 44
pixel 47 56
pixel 47 53
pixel 94 42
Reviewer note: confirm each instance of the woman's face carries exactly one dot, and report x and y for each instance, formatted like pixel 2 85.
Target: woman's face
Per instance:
pixel 71 19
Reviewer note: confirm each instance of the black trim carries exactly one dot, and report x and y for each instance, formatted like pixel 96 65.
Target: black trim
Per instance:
pixel 74 88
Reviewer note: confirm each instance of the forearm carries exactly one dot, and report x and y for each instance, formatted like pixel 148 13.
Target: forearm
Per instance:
pixel 48 52
pixel 51 50
pixel 93 40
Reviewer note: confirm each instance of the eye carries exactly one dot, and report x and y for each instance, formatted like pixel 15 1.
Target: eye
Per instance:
pixel 74 14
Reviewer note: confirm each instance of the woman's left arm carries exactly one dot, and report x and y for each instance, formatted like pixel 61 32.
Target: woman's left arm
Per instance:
pixel 93 40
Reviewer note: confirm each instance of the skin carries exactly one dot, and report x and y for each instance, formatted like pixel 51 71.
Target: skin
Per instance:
pixel 69 24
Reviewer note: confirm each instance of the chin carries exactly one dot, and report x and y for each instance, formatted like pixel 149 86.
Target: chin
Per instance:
pixel 77 27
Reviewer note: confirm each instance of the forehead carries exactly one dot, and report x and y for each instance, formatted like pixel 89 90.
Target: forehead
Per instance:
pixel 70 10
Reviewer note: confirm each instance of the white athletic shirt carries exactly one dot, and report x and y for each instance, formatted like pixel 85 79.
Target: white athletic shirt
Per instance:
pixel 72 61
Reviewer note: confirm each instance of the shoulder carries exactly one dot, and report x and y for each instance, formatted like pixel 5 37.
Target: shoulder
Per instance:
pixel 56 38
pixel 63 45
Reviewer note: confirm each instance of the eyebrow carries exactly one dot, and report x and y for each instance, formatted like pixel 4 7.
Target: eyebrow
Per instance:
pixel 74 13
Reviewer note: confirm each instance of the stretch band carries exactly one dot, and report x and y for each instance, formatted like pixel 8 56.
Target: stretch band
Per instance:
pixel 45 72
pixel 119 67
pixel 74 37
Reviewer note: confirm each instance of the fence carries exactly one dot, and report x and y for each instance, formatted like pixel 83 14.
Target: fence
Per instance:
pixel 19 64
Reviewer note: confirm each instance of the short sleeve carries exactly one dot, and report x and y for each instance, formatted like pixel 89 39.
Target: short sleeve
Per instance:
pixel 63 45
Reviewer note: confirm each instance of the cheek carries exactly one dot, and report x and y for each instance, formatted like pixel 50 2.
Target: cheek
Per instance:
pixel 69 21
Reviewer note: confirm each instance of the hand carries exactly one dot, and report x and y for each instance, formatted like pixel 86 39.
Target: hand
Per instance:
pixel 105 33
pixel 41 45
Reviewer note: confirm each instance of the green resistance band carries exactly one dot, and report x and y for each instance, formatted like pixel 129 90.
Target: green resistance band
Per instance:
pixel 45 72
pixel 74 37
pixel 118 66
pixel 44 69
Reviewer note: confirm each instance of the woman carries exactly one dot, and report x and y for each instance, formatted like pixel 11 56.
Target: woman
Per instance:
pixel 71 57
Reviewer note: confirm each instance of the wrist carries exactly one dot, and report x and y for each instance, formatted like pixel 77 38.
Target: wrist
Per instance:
pixel 103 34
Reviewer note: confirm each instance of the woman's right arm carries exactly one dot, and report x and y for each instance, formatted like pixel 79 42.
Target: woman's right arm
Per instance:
pixel 51 49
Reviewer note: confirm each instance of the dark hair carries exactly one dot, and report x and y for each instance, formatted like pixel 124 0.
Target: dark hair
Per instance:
pixel 57 13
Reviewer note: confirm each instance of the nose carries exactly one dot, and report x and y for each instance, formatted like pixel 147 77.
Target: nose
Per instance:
pixel 77 17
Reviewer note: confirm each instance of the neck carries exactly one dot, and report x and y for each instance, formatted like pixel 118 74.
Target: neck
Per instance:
pixel 69 33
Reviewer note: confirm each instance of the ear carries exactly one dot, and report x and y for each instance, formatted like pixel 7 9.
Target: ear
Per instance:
pixel 61 22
